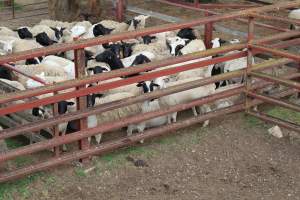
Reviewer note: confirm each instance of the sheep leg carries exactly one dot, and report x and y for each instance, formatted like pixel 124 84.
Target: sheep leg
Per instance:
pixel 130 130
pixel 98 138
pixel 141 129
pixel 174 117
pixel 205 109
pixel 195 111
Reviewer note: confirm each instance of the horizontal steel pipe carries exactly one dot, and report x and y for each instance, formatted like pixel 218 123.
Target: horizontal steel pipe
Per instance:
pixel 192 7
pixel 7 133
pixel 275 120
pixel 276 52
pixel 115 84
pixel 133 34
pixel 12 68
pixel 110 146
pixel 117 73
pixel 273 79
pixel 275 18
pixel 275 101
pixel 112 126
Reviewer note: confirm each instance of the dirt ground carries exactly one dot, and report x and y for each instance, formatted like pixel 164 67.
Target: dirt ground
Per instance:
pixel 234 158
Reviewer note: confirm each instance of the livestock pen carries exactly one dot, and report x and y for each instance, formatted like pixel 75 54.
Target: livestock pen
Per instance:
pixel 252 46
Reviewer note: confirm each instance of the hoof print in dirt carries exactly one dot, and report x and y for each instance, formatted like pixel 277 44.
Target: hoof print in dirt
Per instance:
pixel 138 162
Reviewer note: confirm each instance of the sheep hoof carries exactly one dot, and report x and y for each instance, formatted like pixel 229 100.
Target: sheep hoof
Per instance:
pixel 205 124
pixel 64 148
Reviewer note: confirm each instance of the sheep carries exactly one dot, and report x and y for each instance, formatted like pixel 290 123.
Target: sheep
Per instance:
pixel 294 14
pixel 15 84
pixel 7 44
pixel 80 28
pixel 179 46
pixel 48 70
pixel 6 73
pixel 236 64
pixel 137 22
pixel 189 33
pixel 159 49
pixel 25 45
pixel 113 115
pixel 94 67
pixel 229 101
pixel 30 84
pixel 117 27
pixel 53 23
pixel 54 34
pixel 149 106
pixel 185 96
pixel 129 61
pixel 24 32
pixel 4 31
pixel 67 65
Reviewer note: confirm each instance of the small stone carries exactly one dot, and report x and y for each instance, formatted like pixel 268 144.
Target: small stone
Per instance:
pixel 275 131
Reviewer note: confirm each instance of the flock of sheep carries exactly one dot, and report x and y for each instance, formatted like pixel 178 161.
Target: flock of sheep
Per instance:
pixel 114 56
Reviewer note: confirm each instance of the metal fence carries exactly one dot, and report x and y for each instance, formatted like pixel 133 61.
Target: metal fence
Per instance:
pixel 271 44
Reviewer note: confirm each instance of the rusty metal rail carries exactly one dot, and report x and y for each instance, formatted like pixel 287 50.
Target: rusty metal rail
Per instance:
pixel 253 46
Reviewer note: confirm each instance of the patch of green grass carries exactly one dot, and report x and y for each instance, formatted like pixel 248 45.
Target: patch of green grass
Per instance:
pixel 13 143
pixel 80 172
pixel 19 188
pixel 253 121
pixel 285 114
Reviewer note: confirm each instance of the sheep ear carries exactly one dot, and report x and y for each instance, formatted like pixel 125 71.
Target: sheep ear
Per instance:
pixel 104 69
pixel 90 69
pixel 71 103
pixel 140 84
pixel 292 27
pixel 222 41
pixel 155 84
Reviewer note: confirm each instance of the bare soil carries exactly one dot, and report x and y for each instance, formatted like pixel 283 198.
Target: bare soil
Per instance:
pixel 234 158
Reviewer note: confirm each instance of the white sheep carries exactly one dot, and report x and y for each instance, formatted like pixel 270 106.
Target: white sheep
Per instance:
pixel 158 48
pixel 80 28
pixel 185 96
pixel 4 31
pixel 37 70
pixel 67 65
pixel 113 115
pixel 54 23
pixel 236 64
pixel 30 84
pixel 149 106
pixel 295 14
pixel 24 45
pixel 91 64
pixel 127 62
pixel 15 84
pixel 229 101
pixel 35 30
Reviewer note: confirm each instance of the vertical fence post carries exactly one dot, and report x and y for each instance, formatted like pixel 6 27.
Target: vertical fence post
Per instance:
pixel 55 128
pixel 13 9
pixel 196 3
pixel 208 32
pixel 120 7
pixel 79 57
pixel 247 76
